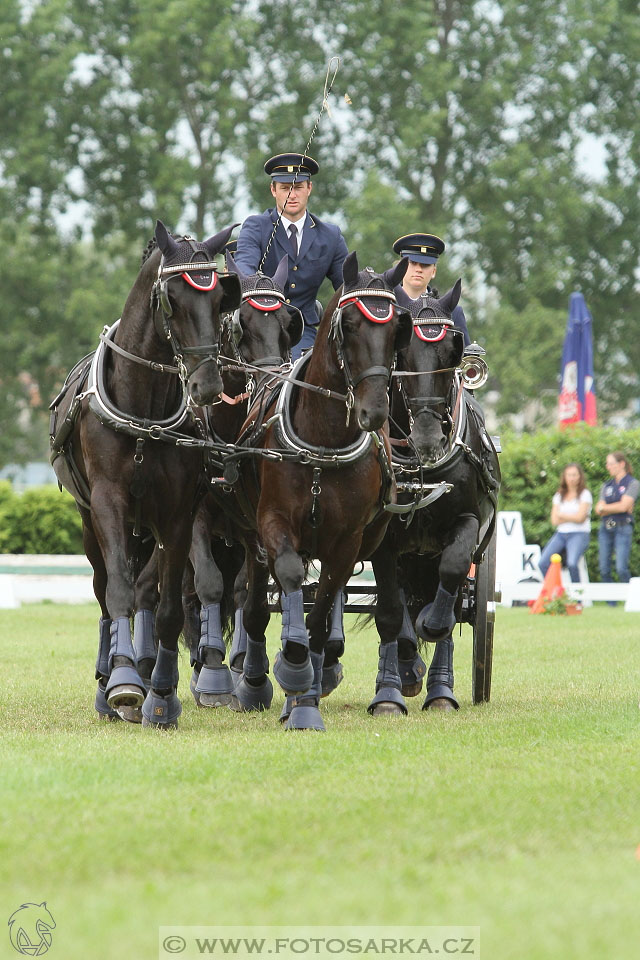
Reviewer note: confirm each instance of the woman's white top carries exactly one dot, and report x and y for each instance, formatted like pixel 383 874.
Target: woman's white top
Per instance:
pixel 572 506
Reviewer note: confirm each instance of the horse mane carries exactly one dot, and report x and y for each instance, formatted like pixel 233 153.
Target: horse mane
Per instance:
pixel 148 250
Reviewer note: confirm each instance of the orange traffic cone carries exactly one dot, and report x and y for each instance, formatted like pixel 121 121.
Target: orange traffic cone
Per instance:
pixel 552 584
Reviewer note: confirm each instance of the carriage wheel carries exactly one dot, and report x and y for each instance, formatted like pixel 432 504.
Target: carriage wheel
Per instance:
pixel 483 625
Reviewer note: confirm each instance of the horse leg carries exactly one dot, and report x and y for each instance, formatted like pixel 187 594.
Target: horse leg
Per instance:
pixel 411 666
pixel 253 689
pixel 332 672
pixel 146 600
pixel 292 668
pixel 437 620
pixel 162 707
pixel 388 698
pixel 211 682
pixel 124 687
pixel 94 556
pixel 301 712
pixel 239 643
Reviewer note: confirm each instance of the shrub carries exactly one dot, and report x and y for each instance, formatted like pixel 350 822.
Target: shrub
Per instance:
pixel 40 520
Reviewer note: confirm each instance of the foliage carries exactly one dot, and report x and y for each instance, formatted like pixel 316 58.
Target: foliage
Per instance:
pixel 531 467
pixel 466 119
pixel 40 520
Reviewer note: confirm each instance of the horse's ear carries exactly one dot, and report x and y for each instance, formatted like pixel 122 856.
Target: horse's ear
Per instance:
pixel 165 241
pixel 281 275
pixel 232 266
pixel 350 269
pixel 450 300
pixel 216 243
pixel 403 298
pixel 295 327
pixel 395 275
pixel 232 292
pixel 405 329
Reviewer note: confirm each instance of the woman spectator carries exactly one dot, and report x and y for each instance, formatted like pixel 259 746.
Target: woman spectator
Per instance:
pixel 570 515
pixel 615 507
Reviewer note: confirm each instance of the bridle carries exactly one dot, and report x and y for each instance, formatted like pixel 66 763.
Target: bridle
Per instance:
pixel 336 334
pixel 261 293
pixel 202 275
pixel 430 329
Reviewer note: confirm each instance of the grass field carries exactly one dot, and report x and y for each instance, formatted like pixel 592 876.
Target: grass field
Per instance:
pixel 521 816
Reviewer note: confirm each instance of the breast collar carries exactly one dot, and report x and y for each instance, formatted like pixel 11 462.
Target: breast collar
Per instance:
pixel 106 411
pixel 327 456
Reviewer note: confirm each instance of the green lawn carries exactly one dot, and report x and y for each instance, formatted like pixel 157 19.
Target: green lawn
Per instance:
pixel 521 816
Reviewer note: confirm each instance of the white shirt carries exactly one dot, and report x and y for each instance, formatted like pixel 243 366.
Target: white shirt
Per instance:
pixel 298 224
pixel 572 506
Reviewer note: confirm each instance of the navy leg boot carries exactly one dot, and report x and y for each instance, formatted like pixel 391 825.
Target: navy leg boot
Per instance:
pixel 254 690
pixel 305 714
pixel 162 707
pixel 440 679
pixel 213 684
pixel 103 709
pixel 294 678
pixel 388 698
pixel 145 645
pixel 125 687
pixel 332 674
pixel 411 666
pixel 238 648
pixel 436 620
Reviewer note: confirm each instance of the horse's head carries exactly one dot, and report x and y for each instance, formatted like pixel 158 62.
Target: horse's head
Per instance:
pixel 433 353
pixel 188 298
pixel 367 329
pixel 264 327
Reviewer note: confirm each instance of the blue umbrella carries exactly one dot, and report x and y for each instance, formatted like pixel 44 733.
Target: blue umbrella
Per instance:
pixel 577 400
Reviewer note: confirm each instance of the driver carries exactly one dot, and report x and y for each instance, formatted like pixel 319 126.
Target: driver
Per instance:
pixel 316 249
pixel 422 251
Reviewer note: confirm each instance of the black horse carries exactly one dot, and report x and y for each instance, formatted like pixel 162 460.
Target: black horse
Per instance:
pixel 448 478
pixel 127 439
pixel 320 488
pixel 256 344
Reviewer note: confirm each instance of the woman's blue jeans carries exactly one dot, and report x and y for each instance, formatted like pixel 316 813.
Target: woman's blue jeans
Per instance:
pixel 616 540
pixel 572 545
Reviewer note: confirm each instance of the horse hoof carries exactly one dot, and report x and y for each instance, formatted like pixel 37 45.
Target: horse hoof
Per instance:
pixel 331 678
pixel 305 717
pixel 125 695
pixel 161 712
pixel 387 700
pixel 411 673
pixel 159 726
pixel 385 709
pixel 246 697
pixel 294 678
pixel 215 699
pixel 108 717
pixel 440 703
pixel 287 707
pixel 130 714
pixel 103 709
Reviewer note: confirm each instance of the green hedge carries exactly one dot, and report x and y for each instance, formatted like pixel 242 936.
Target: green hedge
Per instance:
pixel 40 520
pixel 531 467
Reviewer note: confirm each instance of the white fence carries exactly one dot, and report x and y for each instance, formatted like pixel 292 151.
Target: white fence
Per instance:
pixel 68 579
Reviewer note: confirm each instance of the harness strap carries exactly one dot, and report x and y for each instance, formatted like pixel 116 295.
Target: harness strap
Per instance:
pixel 152 364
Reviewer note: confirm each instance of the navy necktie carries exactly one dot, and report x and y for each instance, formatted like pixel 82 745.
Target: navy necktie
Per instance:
pixel 293 236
